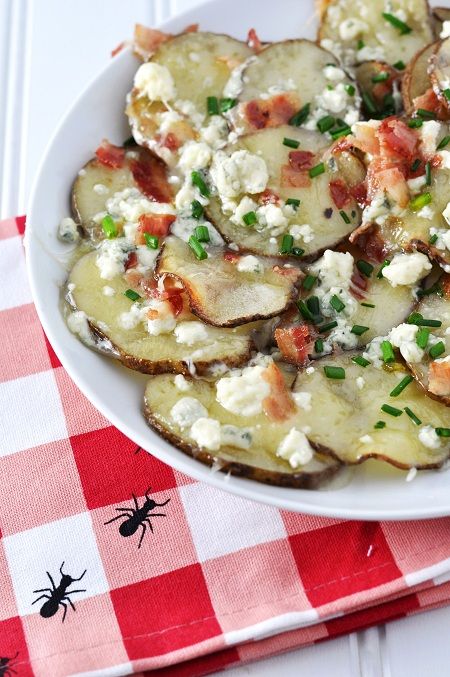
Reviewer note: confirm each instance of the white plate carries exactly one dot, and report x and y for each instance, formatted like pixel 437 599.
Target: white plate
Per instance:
pixel 375 491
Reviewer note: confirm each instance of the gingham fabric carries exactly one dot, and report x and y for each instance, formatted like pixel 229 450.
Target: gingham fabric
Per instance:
pixel 217 574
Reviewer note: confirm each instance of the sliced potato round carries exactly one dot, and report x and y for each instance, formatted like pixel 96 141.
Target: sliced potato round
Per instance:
pixel 440 71
pixel 259 462
pixel 438 16
pixel 343 415
pixel 288 181
pixel 135 348
pixel 344 24
pixel 416 80
pixel 219 292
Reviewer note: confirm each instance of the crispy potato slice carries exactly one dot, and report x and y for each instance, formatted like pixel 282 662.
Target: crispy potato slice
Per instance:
pixel 135 348
pixel 200 65
pixel 97 182
pixel 345 23
pixel 351 412
pixel 438 16
pixel 317 208
pixel 440 71
pixel 219 293
pixel 258 463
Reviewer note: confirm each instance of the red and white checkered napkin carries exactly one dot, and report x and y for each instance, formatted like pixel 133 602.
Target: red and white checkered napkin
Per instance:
pixel 217 572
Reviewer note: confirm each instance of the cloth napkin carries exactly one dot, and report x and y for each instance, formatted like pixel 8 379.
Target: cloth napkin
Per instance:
pixel 217 580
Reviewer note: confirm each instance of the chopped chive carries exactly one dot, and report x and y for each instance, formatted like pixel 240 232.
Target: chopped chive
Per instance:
pixel 226 104
pixel 415 165
pixel 129 143
pixel 342 131
pixel 109 227
pixel 286 244
pixel 300 117
pixel 334 372
pixel 399 388
pixel 297 251
pixel 313 305
pixel 293 202
pixel 304 311
pixel 379 425
pixel 426 114
pixel 446 93
pixel 397 23
pixel 318 346
pixel 412 416
pixel 445 141
pixel 414 318
pixel 415 123
pixel 422 337
pixel 327 326
pixel 197 248
pixel 199 182
pixel 212 105
pixel 420 321
pixel 317 170
pixel 151 241
pixel 290 143
pixel 428 173
pixel 350 89
pixel 442 432
pixel 381 77
pixel 197 209
pixel 387 352
pixel 359 329
pixel 360 44
pixel 361 361
pixel 202 233
pixel 399 65
pixel 336 303
pixel 434 289
pixel 309 282
pixel 364 267
pixel 353 213
pixel 344 216
pixel 437 350
pixel 330 87
pixel 385 263
pixel 250 218
pixel 420 201
pixel 132 295
pixel 326 123
pixel 392 411
pixel 433 239
pixel 369 102
pixel 368 305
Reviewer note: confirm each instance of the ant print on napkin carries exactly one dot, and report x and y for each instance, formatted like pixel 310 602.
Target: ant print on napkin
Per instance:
pixel 6 666
pixel 138 516
pixel 57 596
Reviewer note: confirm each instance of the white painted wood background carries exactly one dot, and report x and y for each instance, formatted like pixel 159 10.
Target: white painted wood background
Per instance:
pixel 49 50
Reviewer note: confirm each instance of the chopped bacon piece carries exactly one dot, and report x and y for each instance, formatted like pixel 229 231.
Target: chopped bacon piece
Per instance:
pixel 273 112
pixel 253 40
pixel 153 224
pixel 119 48
pixel 147 40
pixel 191 28
pixel 110 155
pixel 149 172
pixel 291 178
pixel 170 141
pixel 393 181
pixel 430 101
pixel 301 160
pixel 340 193
pixel 370 242
pixel 358 285
pixel 269 197
pixel 279 405
pixel 397 138
pixel 230 256
pixel 177 303
pixel 359 193
pixel 291 273
pixel 131 261
pixel 439 378
pixel 295 343
pixel 364 138
pixel 133 278
pixel 149 287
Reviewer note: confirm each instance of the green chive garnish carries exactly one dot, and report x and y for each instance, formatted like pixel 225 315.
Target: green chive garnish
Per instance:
pixel 420 201
pixel 369 102
pixel 379 425
pixel 290 143
pixel 350 89
pixel 293 202
pixel 437 350
pixel 286 244
pixel 360 44
pixel 368 305
pixel 426 114
pixel 428 173
pixel 434 289
pixel 415 165
pixel 318 346
pixel 212 105
pixel 442 432
pixel 446 93
pixel 344 216
pixel 250 218
pixel 327 327
pixel 336 303
pixel 304 311
pixel 399 65
pixel 109 227
pixel 414 318
pixel 359 329
pixel 197 209
pixel 309 282
pixel 297 251
pixel 317 170
pixel 226 104
pixel 420 321
pixel 399 388
pixel 445 141
pixel 132 295
pixel 392 411
pixel 198 181
pixel 202 233
pixel 342 131
pixel 151 241
pixel 325 123
pixel 385 263
pixel 387 351
pixel 397 23
pixel 433 239
pixel 364 267
pixel 422 337
pixel 415 123
pixel 412 416
pixel 313 304
pixel 300 117
pixel 334 372
pixel 197 248
pixel 361 361
pixel 381 77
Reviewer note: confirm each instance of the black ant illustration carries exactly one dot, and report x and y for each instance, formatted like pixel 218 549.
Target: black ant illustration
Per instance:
pixel 58 595
pixel 6 667
pixel 138 517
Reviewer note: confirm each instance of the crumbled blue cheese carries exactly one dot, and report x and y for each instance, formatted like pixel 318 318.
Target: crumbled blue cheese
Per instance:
pixel 190 332
pixel 187 411
pixel 100 189
pixel 206 433
pixel 231 435
pixel 407 269
pixel 443 235
pixel 145 258
pixel 295 448
pixel 155 82
pixel 181 383
pixel 78 324
pixel 360 383
pixel 303 400
pixel 403 337
pixel 129 204
pixel 108 291
pixel 415 185
pixel 189 109
pixel 131 318
pixel 235 82
pixel 445 159
pixel 366 439
pixel 426 213
pixel 194 155
pixel 446 213
pixel 165 322
pixel 215 133
pixel 245 206
pixel 111 258
pixel 272 217
pixel 302 232
pixel 243 394
pixel 429 438
pixel 242 172
pixel 429 133
pixel 445 32
pixel 68 230
pixel 334 73
pixel 249 264
pixel 352 28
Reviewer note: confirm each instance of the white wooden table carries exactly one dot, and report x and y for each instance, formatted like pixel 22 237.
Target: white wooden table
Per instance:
pixel 49 50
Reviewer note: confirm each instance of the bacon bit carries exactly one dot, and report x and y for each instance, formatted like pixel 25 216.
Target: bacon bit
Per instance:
pixel 295 343
pixel 393 181
pixel 149 172
pixel 340 193
pixel 191 28
pixel 370 242
pixel 397 138
pixel 290 273
pixel 430 101
pixel 131 261
pixel 170 141
pixel 177 303
pixel 119 48
pixel 152 314
pixel 149 287
pixel 269 197
pixel 381 89
pixel 290 178
pixel 439 378
pixel 147 40
pixel 359 284
pixel 359 193
pixel 230 256
pixel 273 112
pixel 301 159
pixel 364 138
pixel 253 41
pixel 110 155
pixel 279 405
pixel 133 278
pixel 153 224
